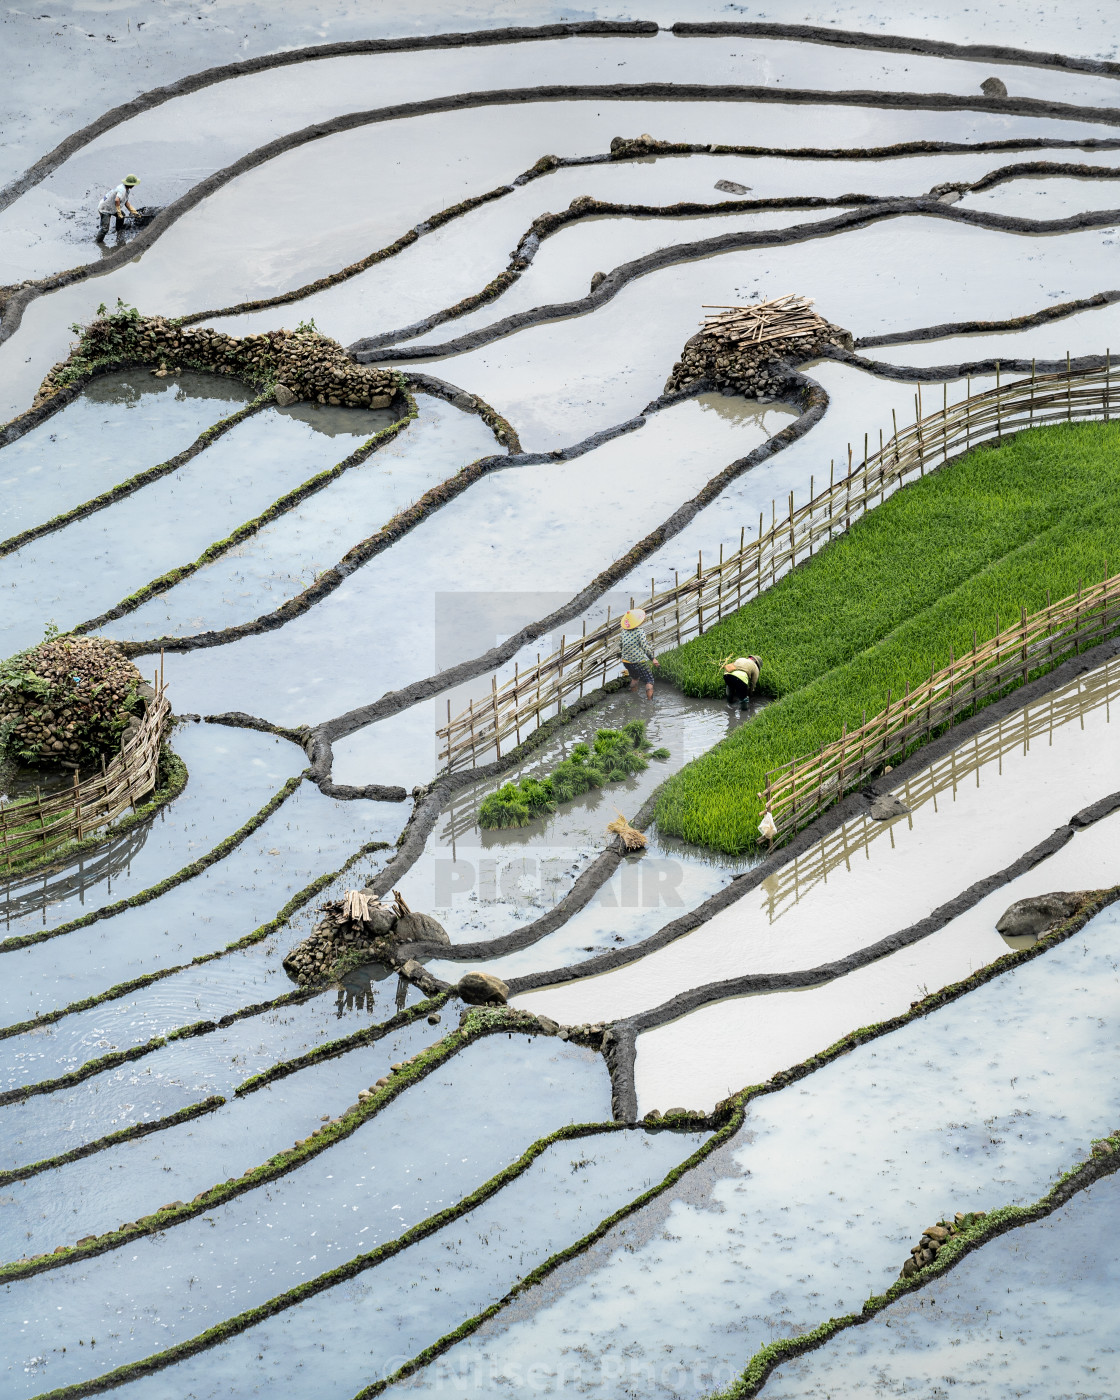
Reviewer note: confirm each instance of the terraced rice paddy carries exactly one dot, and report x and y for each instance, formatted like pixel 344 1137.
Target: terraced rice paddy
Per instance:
pixel 726 1087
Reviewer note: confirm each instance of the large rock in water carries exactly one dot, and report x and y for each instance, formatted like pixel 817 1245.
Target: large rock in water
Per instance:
pixel 482 989
pixel 380 921
pixel 1028 918
pixel 420 928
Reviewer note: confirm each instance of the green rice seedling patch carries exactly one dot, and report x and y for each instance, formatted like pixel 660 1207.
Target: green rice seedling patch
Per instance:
pixel 611 757
pixel 943 564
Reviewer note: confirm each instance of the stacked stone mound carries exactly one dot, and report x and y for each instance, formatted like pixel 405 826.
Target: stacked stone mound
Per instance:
pixel 754 371
pixel 629 147
pixel 935 1237
pixel 68 701
pixel 372 935
pixel 302 364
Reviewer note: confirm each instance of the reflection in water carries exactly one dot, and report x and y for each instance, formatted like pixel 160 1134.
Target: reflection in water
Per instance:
pixel 25 894
pixel 130 386
pixel 768 418
pixel 984 752
pixel 357 990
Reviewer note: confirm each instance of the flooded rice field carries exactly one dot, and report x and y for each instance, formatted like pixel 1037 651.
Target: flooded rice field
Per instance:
pixel 1027 1309
pixel 374 415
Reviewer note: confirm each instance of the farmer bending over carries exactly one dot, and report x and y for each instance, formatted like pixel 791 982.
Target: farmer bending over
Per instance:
pixel 113 204
pixel 740 678
pixel 637 654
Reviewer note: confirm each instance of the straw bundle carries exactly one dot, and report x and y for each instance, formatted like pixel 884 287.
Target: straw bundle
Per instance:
pixel 632 839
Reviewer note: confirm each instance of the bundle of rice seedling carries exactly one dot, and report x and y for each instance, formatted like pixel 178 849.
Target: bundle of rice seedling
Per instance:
pixel 632 839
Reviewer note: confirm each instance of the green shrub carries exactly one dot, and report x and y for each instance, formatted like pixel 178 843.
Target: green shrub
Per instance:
pixel 613 755
pixel 880 608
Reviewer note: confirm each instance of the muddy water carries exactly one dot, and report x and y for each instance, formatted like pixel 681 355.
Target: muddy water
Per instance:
pixel 289 553
pixel 980 1104
pixel 308 835
pixel 137 1177
pixel 179 142
pixel 1087 333
pixel 87 567
pixel 482 884
pixel 858 404
pixel 1047 199
pixel 459 258
pixel 511 530
pixel 602 370
pixel 245 979
pixel 748 1039
pixel 209 809
pixel 564 265
pixel 987 1311
pixel 164 1081
pixel 493 1101
pixel 187 270
pixel 445 1279
pixel 103 437
pixel 988 813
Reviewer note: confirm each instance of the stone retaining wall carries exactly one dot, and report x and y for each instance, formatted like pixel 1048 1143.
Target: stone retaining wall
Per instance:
pixel 755 371
pixel 300 365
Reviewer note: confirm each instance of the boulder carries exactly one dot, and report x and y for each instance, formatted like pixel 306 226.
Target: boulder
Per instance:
pixel 379 921
pixel 482 989
pixel 1028 918
pixel 284 395
pixel 420 928
pixel 732 187
pixel 993 87
pixel 597 280
pixel 886 807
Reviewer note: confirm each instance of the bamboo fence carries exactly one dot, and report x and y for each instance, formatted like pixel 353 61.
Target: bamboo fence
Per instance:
pixel 1032 724
pixel 33 828
pixel 798 791
pixel 30 890
pixel 519 705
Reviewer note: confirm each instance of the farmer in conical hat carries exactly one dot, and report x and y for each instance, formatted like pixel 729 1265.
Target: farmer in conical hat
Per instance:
pixel 114 204
pixel 637 654
pixel 740 677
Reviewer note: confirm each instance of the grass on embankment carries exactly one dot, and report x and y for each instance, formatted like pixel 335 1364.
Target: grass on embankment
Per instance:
pixel 879 608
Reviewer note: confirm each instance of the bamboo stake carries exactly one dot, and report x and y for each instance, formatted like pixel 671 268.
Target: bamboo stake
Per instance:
pixel 944 423
pixel 1023 633
pixel 999 421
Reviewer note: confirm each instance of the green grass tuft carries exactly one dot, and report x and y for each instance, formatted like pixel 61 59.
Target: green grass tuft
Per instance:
pixel 613 756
